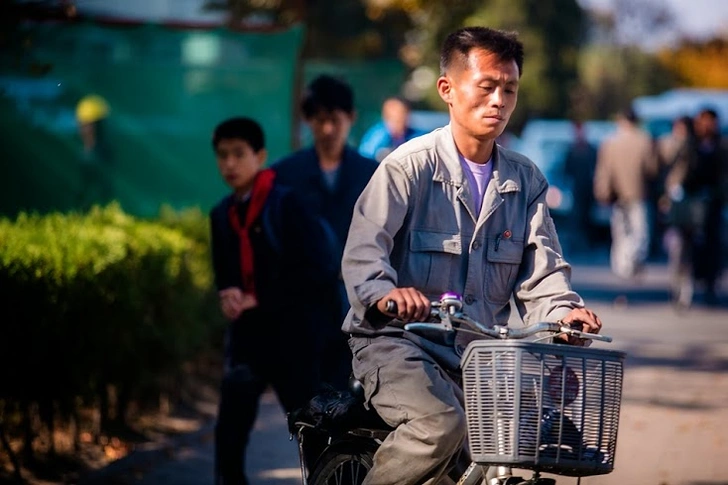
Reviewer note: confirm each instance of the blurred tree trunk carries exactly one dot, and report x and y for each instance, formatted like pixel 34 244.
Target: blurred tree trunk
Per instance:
pixel 5 442
pixel 28 415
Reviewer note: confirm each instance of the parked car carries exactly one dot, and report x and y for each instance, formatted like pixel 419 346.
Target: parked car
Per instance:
pixel 546 142
pixel 427 121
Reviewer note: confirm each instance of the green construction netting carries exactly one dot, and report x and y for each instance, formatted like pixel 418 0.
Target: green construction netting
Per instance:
pixel 166 88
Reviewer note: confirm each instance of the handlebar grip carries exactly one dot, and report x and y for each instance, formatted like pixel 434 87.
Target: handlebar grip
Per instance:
pixel 391 307
pixel 601 338
pixel 591 336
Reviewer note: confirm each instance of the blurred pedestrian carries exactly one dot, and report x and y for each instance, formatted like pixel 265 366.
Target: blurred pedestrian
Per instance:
pixel 626 162
pixel 677 152
pixel 381 139
pixel 271 261
pixel 709 182
pixel 328 177
pixel 92 111
pixel 579 164
pixel 671 144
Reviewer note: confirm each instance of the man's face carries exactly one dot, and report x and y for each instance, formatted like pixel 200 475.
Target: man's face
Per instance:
pixel 706 125
pixel 396 117
pixel 481 93
pixel 331 128
pixel 238 163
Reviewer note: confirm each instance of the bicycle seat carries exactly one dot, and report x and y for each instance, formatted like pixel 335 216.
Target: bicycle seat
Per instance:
pixel 340 411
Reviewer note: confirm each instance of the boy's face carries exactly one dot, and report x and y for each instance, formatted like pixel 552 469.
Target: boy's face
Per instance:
pixel 238 163
pixel 331 129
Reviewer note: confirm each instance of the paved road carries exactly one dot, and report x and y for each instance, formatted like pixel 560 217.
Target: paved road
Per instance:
pixel 674 421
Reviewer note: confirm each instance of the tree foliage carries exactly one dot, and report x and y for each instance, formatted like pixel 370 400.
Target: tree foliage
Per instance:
pixel 699 64
pixel 335 29
pixel 551 31
pixel 579 63
pixel 611 76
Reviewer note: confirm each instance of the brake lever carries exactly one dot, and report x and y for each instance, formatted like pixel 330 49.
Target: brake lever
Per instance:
pixel 585 335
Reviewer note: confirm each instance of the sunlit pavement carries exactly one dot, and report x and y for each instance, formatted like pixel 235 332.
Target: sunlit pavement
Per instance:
pixel 674 422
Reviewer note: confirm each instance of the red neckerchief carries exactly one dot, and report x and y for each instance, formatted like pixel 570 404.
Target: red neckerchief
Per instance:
pixel 262 186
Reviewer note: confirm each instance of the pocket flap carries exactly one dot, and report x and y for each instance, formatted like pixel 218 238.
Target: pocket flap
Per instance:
pixel 435 241
pixel 505 251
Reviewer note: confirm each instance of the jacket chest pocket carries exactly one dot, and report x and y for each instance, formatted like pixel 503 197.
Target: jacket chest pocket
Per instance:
pixel 433 262
pixel 503 261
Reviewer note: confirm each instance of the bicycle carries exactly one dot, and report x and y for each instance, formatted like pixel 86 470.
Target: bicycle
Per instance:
pixel 545 407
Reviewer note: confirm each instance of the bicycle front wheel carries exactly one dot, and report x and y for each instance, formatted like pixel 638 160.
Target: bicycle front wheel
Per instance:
pixel 343 467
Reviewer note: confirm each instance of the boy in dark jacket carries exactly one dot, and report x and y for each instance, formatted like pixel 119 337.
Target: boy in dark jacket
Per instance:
pixel 328 177
pixel 273 268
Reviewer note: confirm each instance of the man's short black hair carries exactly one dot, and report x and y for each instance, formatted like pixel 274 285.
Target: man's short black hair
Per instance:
pixel 240 128
pixel 457 45
pixel 327 93
pixel 708 111
pixel 630 115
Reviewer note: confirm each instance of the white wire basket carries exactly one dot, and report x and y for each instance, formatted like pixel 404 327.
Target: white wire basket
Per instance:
pixel 546 407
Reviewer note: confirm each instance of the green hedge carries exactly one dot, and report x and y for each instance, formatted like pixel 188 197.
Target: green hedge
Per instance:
pixel 88 300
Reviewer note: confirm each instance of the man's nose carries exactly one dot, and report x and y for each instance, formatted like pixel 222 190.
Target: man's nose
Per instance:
pixel 328 128
pixel 497 98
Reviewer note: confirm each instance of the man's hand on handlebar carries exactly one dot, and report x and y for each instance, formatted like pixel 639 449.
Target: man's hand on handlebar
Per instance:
pixel 582 319
pixel 411 305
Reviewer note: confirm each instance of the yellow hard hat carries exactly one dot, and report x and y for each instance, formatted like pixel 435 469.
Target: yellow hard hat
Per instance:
pixel 91 108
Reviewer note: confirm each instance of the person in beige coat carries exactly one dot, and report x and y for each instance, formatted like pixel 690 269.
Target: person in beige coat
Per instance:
pixel 449 211
pixel 626 161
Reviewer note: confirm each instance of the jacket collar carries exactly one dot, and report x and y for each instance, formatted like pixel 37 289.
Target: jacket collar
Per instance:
pixel 344 176
pixel 449 171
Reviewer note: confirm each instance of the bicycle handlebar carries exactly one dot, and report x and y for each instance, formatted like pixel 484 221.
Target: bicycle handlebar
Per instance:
pixel 449 309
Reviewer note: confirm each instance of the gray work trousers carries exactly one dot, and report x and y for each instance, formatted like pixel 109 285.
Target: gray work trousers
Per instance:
pixel 413 393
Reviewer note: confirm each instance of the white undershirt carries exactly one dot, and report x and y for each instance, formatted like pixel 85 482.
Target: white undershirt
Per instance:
pixel 478 175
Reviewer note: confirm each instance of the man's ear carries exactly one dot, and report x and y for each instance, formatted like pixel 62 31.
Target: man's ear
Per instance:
pixel 262 156
pixel 353 116
pixel 444 89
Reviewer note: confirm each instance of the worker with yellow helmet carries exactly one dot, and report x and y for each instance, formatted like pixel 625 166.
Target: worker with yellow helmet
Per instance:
pixel 95 183
pixel 91 109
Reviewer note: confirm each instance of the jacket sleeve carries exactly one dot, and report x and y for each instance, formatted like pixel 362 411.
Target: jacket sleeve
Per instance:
pixel 603 189
pixel 379 213
pixel 543 289
pixel 373 140
pixel 221 265
pixel 650 159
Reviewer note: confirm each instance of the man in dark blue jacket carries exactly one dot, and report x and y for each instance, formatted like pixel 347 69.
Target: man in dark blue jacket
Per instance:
pixel 274 271
pixel 328 178
pixel 384 137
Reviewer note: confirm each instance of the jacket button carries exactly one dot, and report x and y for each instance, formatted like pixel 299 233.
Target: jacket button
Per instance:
pixel 469 299
pixel 476 244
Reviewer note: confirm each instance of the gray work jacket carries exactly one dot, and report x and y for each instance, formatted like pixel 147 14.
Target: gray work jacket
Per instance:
pixel 414 225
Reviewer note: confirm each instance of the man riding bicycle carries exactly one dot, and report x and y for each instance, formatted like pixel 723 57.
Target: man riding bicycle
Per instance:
pixel 449 211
